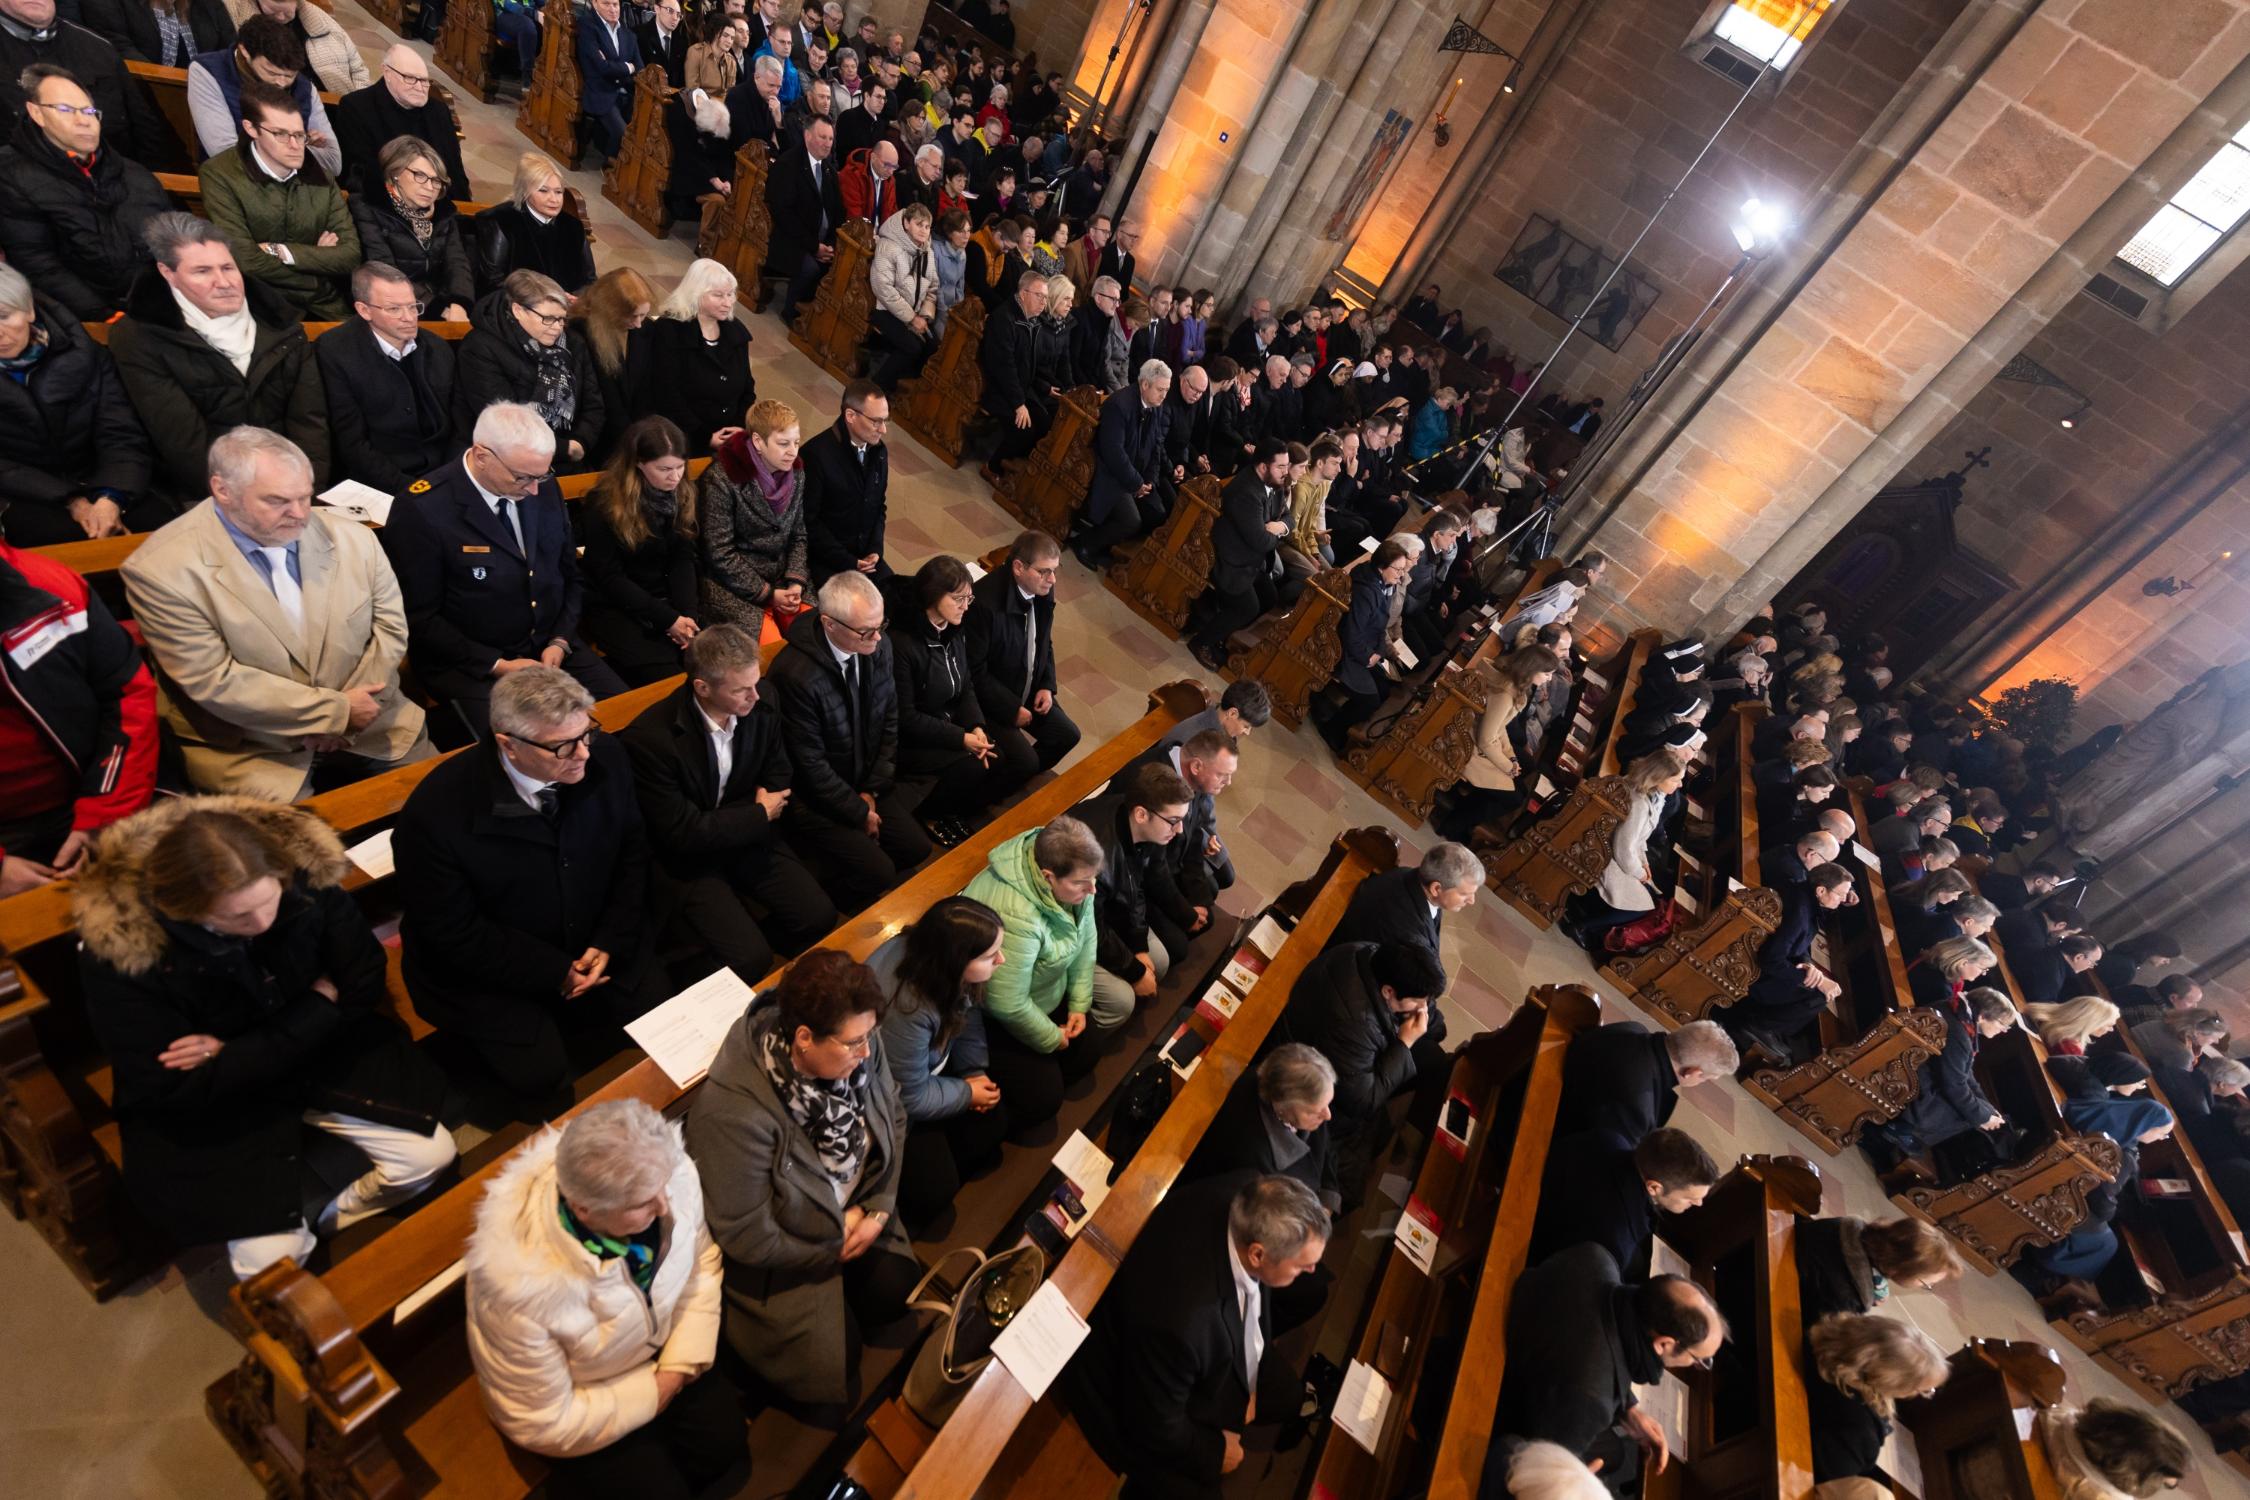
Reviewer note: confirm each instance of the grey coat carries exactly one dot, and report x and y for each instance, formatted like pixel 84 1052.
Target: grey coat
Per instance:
pixel 773 1211
pixel 749 548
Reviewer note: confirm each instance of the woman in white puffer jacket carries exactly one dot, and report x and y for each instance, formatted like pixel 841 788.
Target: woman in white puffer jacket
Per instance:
pixel 594 1302
pixel 904 279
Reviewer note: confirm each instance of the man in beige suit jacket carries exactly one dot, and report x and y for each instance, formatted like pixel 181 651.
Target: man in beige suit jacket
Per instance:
pixel 277 630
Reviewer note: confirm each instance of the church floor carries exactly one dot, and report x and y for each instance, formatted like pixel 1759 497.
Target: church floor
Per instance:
pixel 106 1402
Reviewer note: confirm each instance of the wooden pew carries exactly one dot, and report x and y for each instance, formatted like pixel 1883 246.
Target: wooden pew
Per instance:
pixel 549 112
pixel 452 333
pixel 1737 839
pixel 834 324
pixel 1703 965
pixel 744 226
pixel 186 189
pixel 1974 1439
pixel 1561 855
pixel 1627 697
pixel 1171 568
pixel 1296 651
pixel 1512 1079
pixel 1044 489
pixel 637 176
pixel 363 1371
pixel 998 1441
pixel 466 49
pixel 938 405
pixel 393 15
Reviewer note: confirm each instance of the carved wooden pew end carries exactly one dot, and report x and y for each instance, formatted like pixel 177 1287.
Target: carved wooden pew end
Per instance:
pixel 1838 1094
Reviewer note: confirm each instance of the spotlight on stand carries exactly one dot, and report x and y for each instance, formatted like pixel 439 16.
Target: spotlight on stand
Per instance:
pixel 2066 423
pixel 1515 76
pixel 1760 226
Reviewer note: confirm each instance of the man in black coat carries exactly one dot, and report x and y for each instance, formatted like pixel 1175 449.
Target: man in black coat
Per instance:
pixel 1580 1337
pixel 1185 881
pixel 31 32
pixel 1408 904
pixel 72 208
pixel 389 387
pixel 399 102
pixel 1948 1100
pixel 1133 821
pixel 1789 993
pixel 807 203
pixel 1253 523
pixel 1188 433
pixel 834 686
pixel 1122 502
pixel 1011 632
pixel 664 42
pixel 483 553
pixel 1275 1120
pixel 1023 404
pixel 713 777
pixel 523 868
pixel 74 460
pixel 1624 1080
pixel 1180 1352
pixel 1599 1191
pixel 847 487
pixel 1370 1009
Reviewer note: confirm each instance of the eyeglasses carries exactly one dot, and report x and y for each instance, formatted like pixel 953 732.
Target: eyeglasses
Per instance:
pixel 409 79
pixel 1175 824
pixel 512 474
pixel 870 633
pixel 396 309
pixel 544 319
pixel 872 421
pixel 861 1047
pixel 286 137
pixel 427 179
pixel 90 111
pixel 563 749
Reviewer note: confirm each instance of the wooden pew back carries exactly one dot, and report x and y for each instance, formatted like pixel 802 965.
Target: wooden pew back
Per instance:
pixel 832 326
pixel 1171 568
pixel 745 225
pixel 1975 1439
pixel 549 112
pixel 938 405
pixel 637 176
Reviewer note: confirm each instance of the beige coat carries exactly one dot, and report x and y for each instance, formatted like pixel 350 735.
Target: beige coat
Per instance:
pixel 1496 766
pixel 241 687
pixel 335 59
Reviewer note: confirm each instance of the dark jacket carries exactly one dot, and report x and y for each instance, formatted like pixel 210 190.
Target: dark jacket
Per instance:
pixel 696 159
pixel 1008 357
pixel 937 695
pixel 1575 1350
pixel 496 364
pixel 369 119
pixel 1948 1101
pixel 839 747
pixel 211 1153
pixel 439 270
pixel 130 27
pixel 1054 353
pixel 633 594
pixel 1833 1272
pixel 130 120
pixel 1618 1079
pixel 188 392
pixel 1247 1136
pixel 1336 1008
pixel 390 421
pixel 1780 992
pixel 500 902
pixel 692 829
pixel 1363 630
pixel 1128 452
pixel 471 598
pixel 847 501
pixel 1241 547
pixel 669 55
pixel 803 215
pixel 1188 430
pixel 1847 1435
pixel 1001 624
pixel 1390 908
pixel 1593 1194
pixel 1121 898
pixel 1161 1375
pixel 671 372
pixel 67 428
pixel 605 65
pixel 76 235
pixel 510 239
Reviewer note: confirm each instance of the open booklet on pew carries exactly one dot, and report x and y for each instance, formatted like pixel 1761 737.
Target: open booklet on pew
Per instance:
pixel 683 1035
pixel 362 502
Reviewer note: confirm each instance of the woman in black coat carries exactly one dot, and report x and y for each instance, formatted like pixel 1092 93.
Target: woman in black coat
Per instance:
pixel 1858 1366
pixel 700 158
pixel 520 348
pixel 131 27
pixel 534 231
pixel 69 437
pixel 1849 1265
pixel 407 221
pixel 691 362
pixel 76 232
pixel 241 999
pixel 639 567
pixel 942 743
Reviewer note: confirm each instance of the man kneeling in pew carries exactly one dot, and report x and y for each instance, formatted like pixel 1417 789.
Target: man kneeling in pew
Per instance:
pixel 1791 991
pixel 1177 1366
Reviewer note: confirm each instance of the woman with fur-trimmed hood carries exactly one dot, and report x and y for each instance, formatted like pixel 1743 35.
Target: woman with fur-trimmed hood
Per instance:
pixel 241 998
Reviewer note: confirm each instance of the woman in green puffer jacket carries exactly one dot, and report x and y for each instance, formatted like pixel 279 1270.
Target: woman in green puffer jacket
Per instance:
pixel 1041 884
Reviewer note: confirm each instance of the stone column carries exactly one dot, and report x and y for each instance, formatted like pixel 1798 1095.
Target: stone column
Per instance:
pixel 1155 93
pixel 2033 143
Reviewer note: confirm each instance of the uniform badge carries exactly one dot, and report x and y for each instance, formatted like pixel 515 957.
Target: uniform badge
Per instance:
pixel 418 487
pixel 477 574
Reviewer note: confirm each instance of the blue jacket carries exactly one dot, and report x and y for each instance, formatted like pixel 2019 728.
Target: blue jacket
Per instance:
pixel 1128 451
pixel 932 1081
pixel 605 67
pixel 1362 630
pixel 1428 431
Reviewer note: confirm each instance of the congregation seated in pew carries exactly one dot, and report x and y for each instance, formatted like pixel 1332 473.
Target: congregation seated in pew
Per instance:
pixel 1859 1365
pixel 521 349
pixel 1141 813
pixel 949 763
pixel 639 525
pixel 399 102
pixel 282 213
pixel 533 231
pixel 750 522
pixel 405 218
pixel 74 206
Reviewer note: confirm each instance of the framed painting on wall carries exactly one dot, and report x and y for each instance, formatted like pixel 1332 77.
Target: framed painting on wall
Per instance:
pixel 1568 277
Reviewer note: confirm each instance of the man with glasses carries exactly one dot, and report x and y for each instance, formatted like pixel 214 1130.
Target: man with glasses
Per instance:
pixel 390 390
pixel 1011 629
pixel 270 52
pixel 32 33
pixel 485 559
pixel 1134 821
pixel 284 217
pixel 523 868
pixel 399 102
pixel 847 488
pixel 838 697
pixel 72 206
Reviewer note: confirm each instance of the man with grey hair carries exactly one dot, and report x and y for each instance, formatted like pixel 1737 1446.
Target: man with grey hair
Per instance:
pixel 1409 904
pixel 1624 1079
pixel 277 631
pixel 1092 326
pixel 523 870
pixel 1275 1120
pixel 1179 1361
pixel 485 559
pixel 594 1303
pixel 389 389
pixel 1123 501
pixel 838 699
pixel 398 102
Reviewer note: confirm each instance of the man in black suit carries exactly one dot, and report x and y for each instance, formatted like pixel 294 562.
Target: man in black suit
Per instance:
pixel 1122 501
pixel 1275 1120
pixel 399 102
pixel 1014 395
pixel 807 203
pixel 523 866
pixel 1584 420
pixel 838 698
pixel 1409 905
pixel 1117 256
pixel 1179 1356
pixel 390 389
pixel 1253 523
pixel 483 554
pixel 1625 1080
pixel 1185 881
pixel 714 777
pixel 1598 1190
pixel 1187 429
pixel 1371 1010
pixel 1789 993
pixel 608 56
pixel 664 42
pixel 1011 639
pixel 847 485
pixel 862 126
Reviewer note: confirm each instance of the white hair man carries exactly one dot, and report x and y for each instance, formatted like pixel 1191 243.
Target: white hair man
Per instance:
pixel 1125 501
pixel 485 559
pixel 399 102
pixel 277 631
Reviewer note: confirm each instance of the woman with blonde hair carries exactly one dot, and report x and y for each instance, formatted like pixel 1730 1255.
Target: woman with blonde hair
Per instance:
pixel 2066 1026
pixel 1053 359
pixel 1850 1265
pixel 1864 1365
pixel 608 314
pixel 639 568
pixel 407 221
pixel 691 362
pixel 534 231
pixel 752 522
pixel 1624 893
pixel 1488 785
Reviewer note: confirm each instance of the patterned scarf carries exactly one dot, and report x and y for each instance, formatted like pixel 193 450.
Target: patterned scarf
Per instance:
pixel 557 381
pixel 833 1111
pixel 421 220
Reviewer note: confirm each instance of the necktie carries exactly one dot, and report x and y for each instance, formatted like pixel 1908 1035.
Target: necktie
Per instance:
pixel 515 524
pixel 1030 648
pixel 285 589
pixel 550 801
pixel 1253 1340
pixel 851 698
